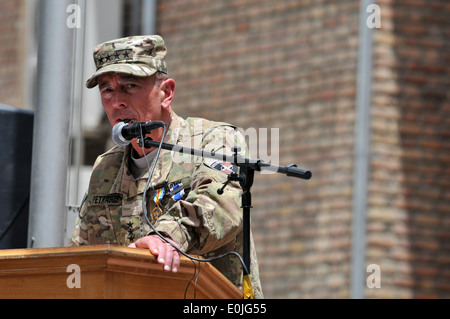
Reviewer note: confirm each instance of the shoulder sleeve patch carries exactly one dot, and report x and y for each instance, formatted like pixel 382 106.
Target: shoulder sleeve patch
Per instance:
pixel 221 166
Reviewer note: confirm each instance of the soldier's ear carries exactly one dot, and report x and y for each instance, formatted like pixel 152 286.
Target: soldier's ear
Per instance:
pixel 168 88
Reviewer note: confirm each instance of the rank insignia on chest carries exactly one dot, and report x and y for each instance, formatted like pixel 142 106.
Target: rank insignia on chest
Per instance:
pixel 130 232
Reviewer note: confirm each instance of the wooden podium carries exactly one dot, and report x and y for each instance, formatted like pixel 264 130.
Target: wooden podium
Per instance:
pixel 105 272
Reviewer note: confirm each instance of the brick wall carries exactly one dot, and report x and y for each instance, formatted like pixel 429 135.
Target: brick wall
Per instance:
pixel 11 52
pixel 289 65
pixel 409 201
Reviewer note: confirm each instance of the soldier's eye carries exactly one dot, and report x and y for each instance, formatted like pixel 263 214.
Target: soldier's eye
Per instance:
pixel 131 86
pixel 106 90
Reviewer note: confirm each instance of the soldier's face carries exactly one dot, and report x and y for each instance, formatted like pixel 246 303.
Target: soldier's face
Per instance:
pixel 126 97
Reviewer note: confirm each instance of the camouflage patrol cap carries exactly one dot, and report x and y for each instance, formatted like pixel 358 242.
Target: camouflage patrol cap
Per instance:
pixel 137 55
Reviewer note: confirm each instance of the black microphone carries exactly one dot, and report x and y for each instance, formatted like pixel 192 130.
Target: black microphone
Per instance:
pixel 123 133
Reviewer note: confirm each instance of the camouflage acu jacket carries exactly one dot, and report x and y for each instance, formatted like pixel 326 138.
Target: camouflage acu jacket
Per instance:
pixel 189 210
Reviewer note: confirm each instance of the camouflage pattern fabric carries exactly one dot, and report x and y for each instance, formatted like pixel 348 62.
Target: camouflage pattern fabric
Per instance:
pixel 137 55
pixel 199 219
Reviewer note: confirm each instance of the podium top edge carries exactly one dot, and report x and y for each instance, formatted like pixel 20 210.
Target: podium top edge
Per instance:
pixel 106 249
pixel 59 251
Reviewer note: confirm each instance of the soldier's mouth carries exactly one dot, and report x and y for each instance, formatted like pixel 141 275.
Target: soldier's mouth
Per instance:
pixel 124 120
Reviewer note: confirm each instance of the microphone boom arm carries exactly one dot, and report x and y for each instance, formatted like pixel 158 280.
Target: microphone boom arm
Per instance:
pixel 239 160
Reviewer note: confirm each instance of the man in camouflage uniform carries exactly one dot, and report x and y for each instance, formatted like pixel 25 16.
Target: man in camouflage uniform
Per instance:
pixel 182 201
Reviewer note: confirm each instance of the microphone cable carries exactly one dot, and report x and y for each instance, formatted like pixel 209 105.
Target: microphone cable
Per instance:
pixel 144 209
pixel 196 274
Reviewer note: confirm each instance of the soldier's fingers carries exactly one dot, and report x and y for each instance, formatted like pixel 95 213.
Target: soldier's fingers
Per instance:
pixel 161 251
pixel 169 252
pixel 166 254
pixel 175 261
pixel 147 242
pixel 154 246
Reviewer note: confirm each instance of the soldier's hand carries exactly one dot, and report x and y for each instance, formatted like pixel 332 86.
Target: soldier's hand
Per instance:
pixel 165 253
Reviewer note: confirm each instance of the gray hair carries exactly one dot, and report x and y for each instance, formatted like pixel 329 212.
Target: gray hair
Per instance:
pixel 159 77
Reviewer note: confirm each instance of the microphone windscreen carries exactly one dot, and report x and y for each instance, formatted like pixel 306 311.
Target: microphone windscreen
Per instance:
pixel 117 136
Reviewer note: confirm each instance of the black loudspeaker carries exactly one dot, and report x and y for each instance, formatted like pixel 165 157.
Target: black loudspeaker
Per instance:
pixel 16 141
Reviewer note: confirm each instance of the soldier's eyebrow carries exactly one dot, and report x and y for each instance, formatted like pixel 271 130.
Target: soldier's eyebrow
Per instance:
pixel 103 84
pixel 130 79
pixel 122 79
pixel 135 80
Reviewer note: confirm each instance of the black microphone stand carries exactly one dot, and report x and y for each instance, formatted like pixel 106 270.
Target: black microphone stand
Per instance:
pixel 245 177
